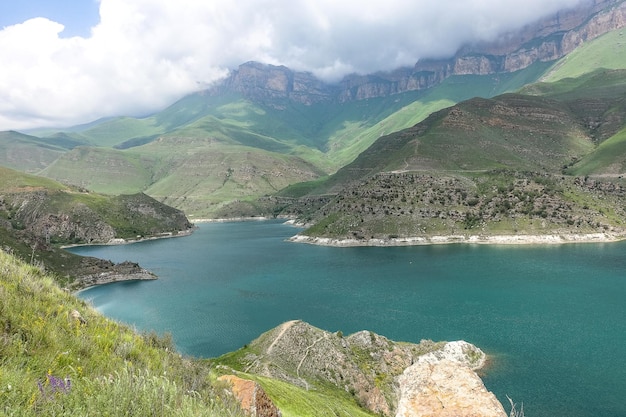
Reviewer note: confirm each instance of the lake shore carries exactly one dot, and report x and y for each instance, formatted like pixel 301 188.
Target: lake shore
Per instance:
pixel 547 239
pixel 481 239
pixel 231 219
pixel 120 241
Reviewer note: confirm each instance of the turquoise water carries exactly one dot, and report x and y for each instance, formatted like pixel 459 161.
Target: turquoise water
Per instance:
pixel 552 318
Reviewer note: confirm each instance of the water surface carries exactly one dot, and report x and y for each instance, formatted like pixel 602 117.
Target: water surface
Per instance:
pixel 551 317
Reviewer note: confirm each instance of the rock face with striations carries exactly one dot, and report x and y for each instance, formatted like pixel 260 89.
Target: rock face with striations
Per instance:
pixel 546 40
pixel 271 84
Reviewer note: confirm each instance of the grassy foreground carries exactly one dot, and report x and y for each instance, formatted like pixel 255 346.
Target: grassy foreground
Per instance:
pixel 55 363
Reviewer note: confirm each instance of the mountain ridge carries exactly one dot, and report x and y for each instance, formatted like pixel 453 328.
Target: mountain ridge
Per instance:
pixel 547 40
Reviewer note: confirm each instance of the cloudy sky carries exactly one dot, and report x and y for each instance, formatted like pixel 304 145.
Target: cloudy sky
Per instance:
pixel 65 62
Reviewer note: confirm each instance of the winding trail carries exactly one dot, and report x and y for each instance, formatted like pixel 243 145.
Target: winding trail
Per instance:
pixel 306 353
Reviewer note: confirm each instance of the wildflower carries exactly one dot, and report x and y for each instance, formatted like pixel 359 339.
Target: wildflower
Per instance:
pixel 59 385
pixel 54 385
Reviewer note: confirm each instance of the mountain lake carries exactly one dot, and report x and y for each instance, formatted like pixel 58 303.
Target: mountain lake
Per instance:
pixel 551 318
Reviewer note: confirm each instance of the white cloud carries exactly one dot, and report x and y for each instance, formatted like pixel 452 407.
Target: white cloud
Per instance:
pixel 146 53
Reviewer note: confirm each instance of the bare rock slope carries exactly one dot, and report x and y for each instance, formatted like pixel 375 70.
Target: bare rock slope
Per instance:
pixel 385 377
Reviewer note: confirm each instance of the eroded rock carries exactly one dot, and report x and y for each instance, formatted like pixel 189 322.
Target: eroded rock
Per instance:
pixel 445 388
pixel 251 397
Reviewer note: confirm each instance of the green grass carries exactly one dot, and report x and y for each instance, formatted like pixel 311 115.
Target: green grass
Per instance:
pixel 353 137
pixel 119 130
pixel 104 170
pixel 607 51
pixel 608 158
pixel 13 180
pixel 27 153
pixel 182 155
pixel 111 369
pixel 298 402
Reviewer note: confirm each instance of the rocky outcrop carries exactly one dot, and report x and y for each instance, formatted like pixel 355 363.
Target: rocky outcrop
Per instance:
pixel 94 271
pixel 51 216
pixel 445 389
pixel 443 383
pixel 546 40
pixel 251 397
pixel 369 366
pixel 270 84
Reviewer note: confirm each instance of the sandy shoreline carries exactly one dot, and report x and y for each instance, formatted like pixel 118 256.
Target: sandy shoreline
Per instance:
pixel 548 239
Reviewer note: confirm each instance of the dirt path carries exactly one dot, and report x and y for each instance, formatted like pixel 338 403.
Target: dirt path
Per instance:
pixel 284 327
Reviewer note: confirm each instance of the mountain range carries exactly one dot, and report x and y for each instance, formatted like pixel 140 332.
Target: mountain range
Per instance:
pixel 522 137
pixel 263 128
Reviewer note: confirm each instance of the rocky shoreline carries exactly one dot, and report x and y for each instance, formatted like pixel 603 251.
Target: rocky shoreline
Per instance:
pixel 100 272
pixel 119 241
pixel 521 239
pixel 126 271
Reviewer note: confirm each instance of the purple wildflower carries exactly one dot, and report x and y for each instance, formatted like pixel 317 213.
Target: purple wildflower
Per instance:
pixel 58 384
pixel 55 385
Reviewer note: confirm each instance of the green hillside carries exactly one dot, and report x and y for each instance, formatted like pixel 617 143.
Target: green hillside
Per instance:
pixel 59 357
pixel 608 160
pixel 103 170
pixel 505 165
pixel 37 215
pixel 206 151
pixel 605 52
pixel 27 153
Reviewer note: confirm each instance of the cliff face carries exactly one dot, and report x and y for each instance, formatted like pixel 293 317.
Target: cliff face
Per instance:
pixel 66 217
pixel 269 83
pixel 547 40
pixel 36 219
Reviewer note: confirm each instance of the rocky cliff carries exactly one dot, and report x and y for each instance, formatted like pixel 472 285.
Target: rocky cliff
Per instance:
pixel 38 215
pixel 546 40
pixel 271 84
pixel 385 377
pixel 58 216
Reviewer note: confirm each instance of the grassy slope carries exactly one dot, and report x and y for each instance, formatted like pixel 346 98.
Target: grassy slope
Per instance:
pixel 118 130
pixel 510 131
pixel 557 84
pixel 347 143
pixel 609 158
pixel 586 123
pixel 607 51
pixel 322 398
pixel 27 153
pixel 103 170
pixel 32 204
pixel 227 148
pixel 111 370
pixel 328 136
pixel 129 215
pixel 596 71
